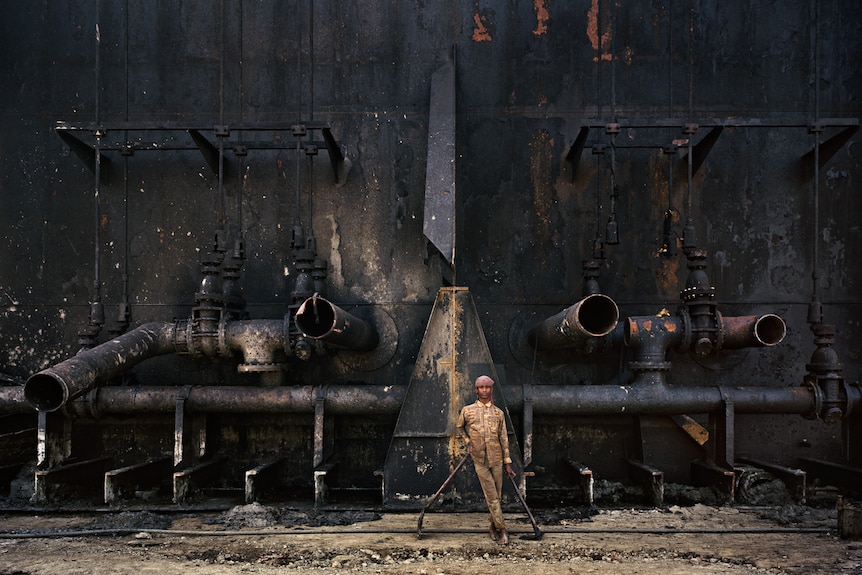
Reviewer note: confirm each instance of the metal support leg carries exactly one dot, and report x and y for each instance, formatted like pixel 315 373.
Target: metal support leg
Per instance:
pixel 53 447
pixel 722 424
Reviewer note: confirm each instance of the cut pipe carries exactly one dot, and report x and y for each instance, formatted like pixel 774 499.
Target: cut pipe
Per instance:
pixel 320 319
pixel 751 331
pixel 51 388
pixel 594 316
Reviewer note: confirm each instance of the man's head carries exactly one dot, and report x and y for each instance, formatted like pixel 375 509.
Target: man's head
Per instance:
pixel 484 388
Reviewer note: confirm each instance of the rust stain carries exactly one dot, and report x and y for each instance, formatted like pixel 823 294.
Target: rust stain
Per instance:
pixel 670 326
pixel 667 274
pixel 480 31
pixel 456 376
pixel 103 221
pixel 601 43
pixel 542 17
pixel 541 161
pixel 648 325
pixel 696 432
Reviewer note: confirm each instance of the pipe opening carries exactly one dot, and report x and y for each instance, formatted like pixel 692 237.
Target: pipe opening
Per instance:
pixel 770 329
pixel 316 318
pixel 598 314
pixel 320 319
pixel 45 392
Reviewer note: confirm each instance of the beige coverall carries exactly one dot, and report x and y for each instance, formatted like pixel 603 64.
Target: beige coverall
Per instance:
pixel 483 427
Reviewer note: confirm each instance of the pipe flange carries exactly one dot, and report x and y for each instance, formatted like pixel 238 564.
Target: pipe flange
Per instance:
pixel 848 404
pixel 223 348
pixel 685 344
pixel 190 340
pixel 817 394
pixel 719 325
pixel 93 402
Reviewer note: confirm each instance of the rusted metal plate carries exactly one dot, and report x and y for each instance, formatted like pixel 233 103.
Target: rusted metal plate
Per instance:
pixel 425 446
pixel 439 220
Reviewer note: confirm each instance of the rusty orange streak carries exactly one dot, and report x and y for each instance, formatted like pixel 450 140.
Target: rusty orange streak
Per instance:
pixel 542 17
pixel 600 45
pixel 480 32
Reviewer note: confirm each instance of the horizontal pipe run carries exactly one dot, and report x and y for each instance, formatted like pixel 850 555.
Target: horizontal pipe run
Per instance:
pixel 669 400
pixel 376 399
pixel 340 399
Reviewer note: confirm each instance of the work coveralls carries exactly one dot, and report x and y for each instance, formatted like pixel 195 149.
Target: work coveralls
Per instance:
pixel 483 427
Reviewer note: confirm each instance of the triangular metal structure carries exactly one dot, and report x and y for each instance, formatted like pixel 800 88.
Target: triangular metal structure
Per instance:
pixel 425 446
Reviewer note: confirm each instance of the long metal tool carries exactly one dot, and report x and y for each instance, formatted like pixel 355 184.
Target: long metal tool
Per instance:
pixel 536 531
pixel 439 491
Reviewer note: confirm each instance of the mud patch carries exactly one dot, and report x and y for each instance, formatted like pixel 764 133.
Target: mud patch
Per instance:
pixel 256 515
pixel 128 520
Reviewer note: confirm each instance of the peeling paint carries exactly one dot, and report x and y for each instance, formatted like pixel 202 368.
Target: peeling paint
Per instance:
pixel 600 43
pixel 542 17
pixel 480 31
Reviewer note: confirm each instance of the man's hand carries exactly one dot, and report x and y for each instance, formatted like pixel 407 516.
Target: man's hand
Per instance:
pixel 509 471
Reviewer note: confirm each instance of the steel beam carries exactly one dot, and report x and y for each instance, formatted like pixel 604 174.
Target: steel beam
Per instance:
pixel 188 480
pixel 833 473
pixel 793 479
pixel 706 473
pixel 261 477
pixel 124 481
pixel 585 480
pixel 650 479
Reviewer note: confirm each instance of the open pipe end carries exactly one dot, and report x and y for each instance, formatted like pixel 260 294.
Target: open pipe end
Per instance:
pixel 598 314
pixel 46 391
pixel 320 319
pixel 770 329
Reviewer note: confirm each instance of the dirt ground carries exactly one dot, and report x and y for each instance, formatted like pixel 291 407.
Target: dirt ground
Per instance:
pixel 696 540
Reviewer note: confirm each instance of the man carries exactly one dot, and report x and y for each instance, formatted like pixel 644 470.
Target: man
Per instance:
pixel 482 426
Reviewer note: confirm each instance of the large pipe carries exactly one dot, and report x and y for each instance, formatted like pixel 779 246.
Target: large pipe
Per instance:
pixel 51 388
pixel 257 340
pixel 320 319
pixel 751 331
pixel 594 316
pixel 376 399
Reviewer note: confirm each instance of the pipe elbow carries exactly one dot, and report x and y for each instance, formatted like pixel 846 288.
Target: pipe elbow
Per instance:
pixel 50 389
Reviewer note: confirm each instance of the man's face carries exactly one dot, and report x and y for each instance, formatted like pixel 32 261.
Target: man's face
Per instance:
pixel 484 392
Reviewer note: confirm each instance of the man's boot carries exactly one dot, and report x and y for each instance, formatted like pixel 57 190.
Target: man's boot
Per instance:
pixel 492 531
pixel 504 537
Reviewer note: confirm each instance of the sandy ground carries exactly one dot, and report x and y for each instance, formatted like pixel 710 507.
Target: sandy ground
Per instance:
pixel 697 540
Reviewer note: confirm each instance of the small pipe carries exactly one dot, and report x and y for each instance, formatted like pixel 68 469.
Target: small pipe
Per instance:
pixel 320 319
pixel 751 331
pixel 594 316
